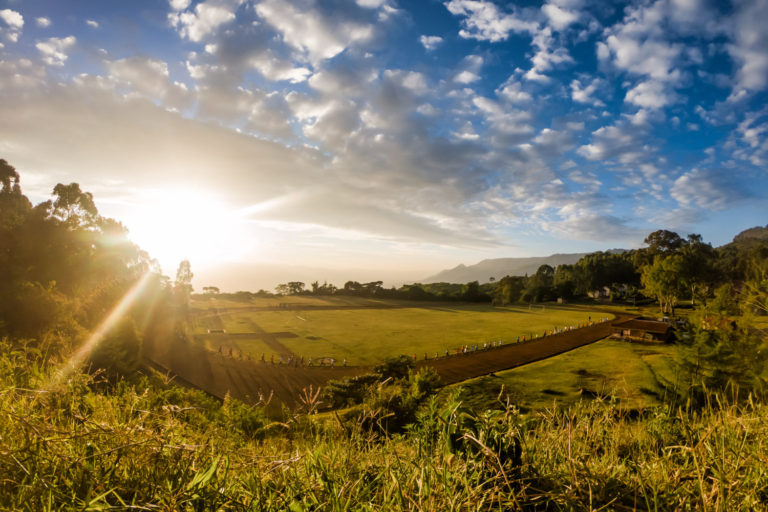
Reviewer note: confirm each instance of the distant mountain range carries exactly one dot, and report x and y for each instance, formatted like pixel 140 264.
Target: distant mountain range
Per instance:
pixel 499 267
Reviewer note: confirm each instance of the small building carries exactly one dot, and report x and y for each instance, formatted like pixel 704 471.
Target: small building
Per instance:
pixel 643 329
pixel 600 293
pixel 217 331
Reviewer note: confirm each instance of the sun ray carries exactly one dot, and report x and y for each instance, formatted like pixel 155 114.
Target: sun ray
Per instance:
pixel 98 334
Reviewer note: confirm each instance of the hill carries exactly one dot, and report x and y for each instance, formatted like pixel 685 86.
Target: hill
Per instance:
pixel 500 267
pixel 756 233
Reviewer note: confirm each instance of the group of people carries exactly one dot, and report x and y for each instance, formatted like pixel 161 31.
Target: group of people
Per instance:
pixel 278 359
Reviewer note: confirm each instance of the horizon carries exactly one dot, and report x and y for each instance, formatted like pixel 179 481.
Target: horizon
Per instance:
pixel 388 138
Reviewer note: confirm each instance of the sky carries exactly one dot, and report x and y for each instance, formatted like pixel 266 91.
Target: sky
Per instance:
pixel 389 139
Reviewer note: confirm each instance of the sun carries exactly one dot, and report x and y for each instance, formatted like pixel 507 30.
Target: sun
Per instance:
pixel 173 224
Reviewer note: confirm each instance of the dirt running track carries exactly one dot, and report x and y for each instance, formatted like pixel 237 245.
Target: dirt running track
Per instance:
pixel 249 380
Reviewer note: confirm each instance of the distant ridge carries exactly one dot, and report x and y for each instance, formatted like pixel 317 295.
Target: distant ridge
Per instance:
pixel 500 267
pixel 756 233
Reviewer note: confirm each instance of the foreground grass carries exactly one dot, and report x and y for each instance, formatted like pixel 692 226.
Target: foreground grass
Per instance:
pixel 367 336
pixel 636 376
pixel 153 446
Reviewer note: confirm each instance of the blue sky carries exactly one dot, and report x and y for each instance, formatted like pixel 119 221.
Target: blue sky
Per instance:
pixel 391 138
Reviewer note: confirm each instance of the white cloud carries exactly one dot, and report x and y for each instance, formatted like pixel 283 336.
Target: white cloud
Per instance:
pixel 15 22
pixel 505 121
pixel 512 91
pixel 656 59
pixel 92 23
pixel 430 42
pixel 624 141
pixel 371 4
pixel 43 22
pixel 12 18
pixel 585 93
pixel 179 5
pixel 205 20
pixel 485 22
pixel 558 17
pixel 309 31
pixel 749 48
pixel 54 49
pixel 705 189
pixel 586 224
pixel 412 80
pixel 651 94
pixel 466 77
pixel 275 69
pixel 547 56
pixel 150 78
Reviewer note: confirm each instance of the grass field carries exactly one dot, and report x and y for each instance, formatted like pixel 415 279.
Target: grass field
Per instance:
pixel 366 336
pixel 630 373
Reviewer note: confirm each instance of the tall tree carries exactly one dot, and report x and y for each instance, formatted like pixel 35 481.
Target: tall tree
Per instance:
pixel 74 206
pixel 182 287
pixel 663 241
pixel 698 262
pixel 661 280
pixel 9 178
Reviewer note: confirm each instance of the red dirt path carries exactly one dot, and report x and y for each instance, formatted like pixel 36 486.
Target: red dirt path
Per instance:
pixel 248 380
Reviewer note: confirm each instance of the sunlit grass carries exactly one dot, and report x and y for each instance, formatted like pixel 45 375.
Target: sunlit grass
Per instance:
pixel 366 336
pixel 152 446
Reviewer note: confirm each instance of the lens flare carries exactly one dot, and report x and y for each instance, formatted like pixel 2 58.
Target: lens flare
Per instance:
pixel 98 334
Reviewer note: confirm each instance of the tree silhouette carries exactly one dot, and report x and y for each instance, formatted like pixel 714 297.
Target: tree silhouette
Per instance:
pixel 9 178
pixel 74 206
pixel 183 285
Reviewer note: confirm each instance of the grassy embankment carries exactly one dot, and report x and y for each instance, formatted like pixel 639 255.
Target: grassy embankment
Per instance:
pixel 149 445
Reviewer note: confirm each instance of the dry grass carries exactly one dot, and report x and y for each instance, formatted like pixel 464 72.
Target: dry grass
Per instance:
pixel 152 446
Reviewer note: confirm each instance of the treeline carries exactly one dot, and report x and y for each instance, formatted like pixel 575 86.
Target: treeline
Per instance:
pixel 671 268
pixel 469 292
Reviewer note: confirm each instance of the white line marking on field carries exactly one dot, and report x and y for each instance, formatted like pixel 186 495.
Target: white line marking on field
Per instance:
pixel 297 316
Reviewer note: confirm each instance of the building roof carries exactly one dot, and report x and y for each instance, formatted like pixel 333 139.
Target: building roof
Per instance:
pixel 645 325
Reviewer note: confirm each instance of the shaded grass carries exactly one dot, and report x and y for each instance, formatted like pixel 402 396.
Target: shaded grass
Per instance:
pixel 634 375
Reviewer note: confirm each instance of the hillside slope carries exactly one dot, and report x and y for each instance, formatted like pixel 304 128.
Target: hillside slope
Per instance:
pixel 500 267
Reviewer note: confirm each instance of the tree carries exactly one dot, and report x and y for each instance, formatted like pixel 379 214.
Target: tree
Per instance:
pixel 74 206
pixel 509 289
pixel 698 262
pixel 661 280
pixel 663 241
pixel 541 285
pixel 471 291
pixel 565 281
pixel 9 178
pixel 373 287
pixel 211 290
pixel 295 287
pixel 722 349
pixel 282 289
pixel 352 288
pixel 183 285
